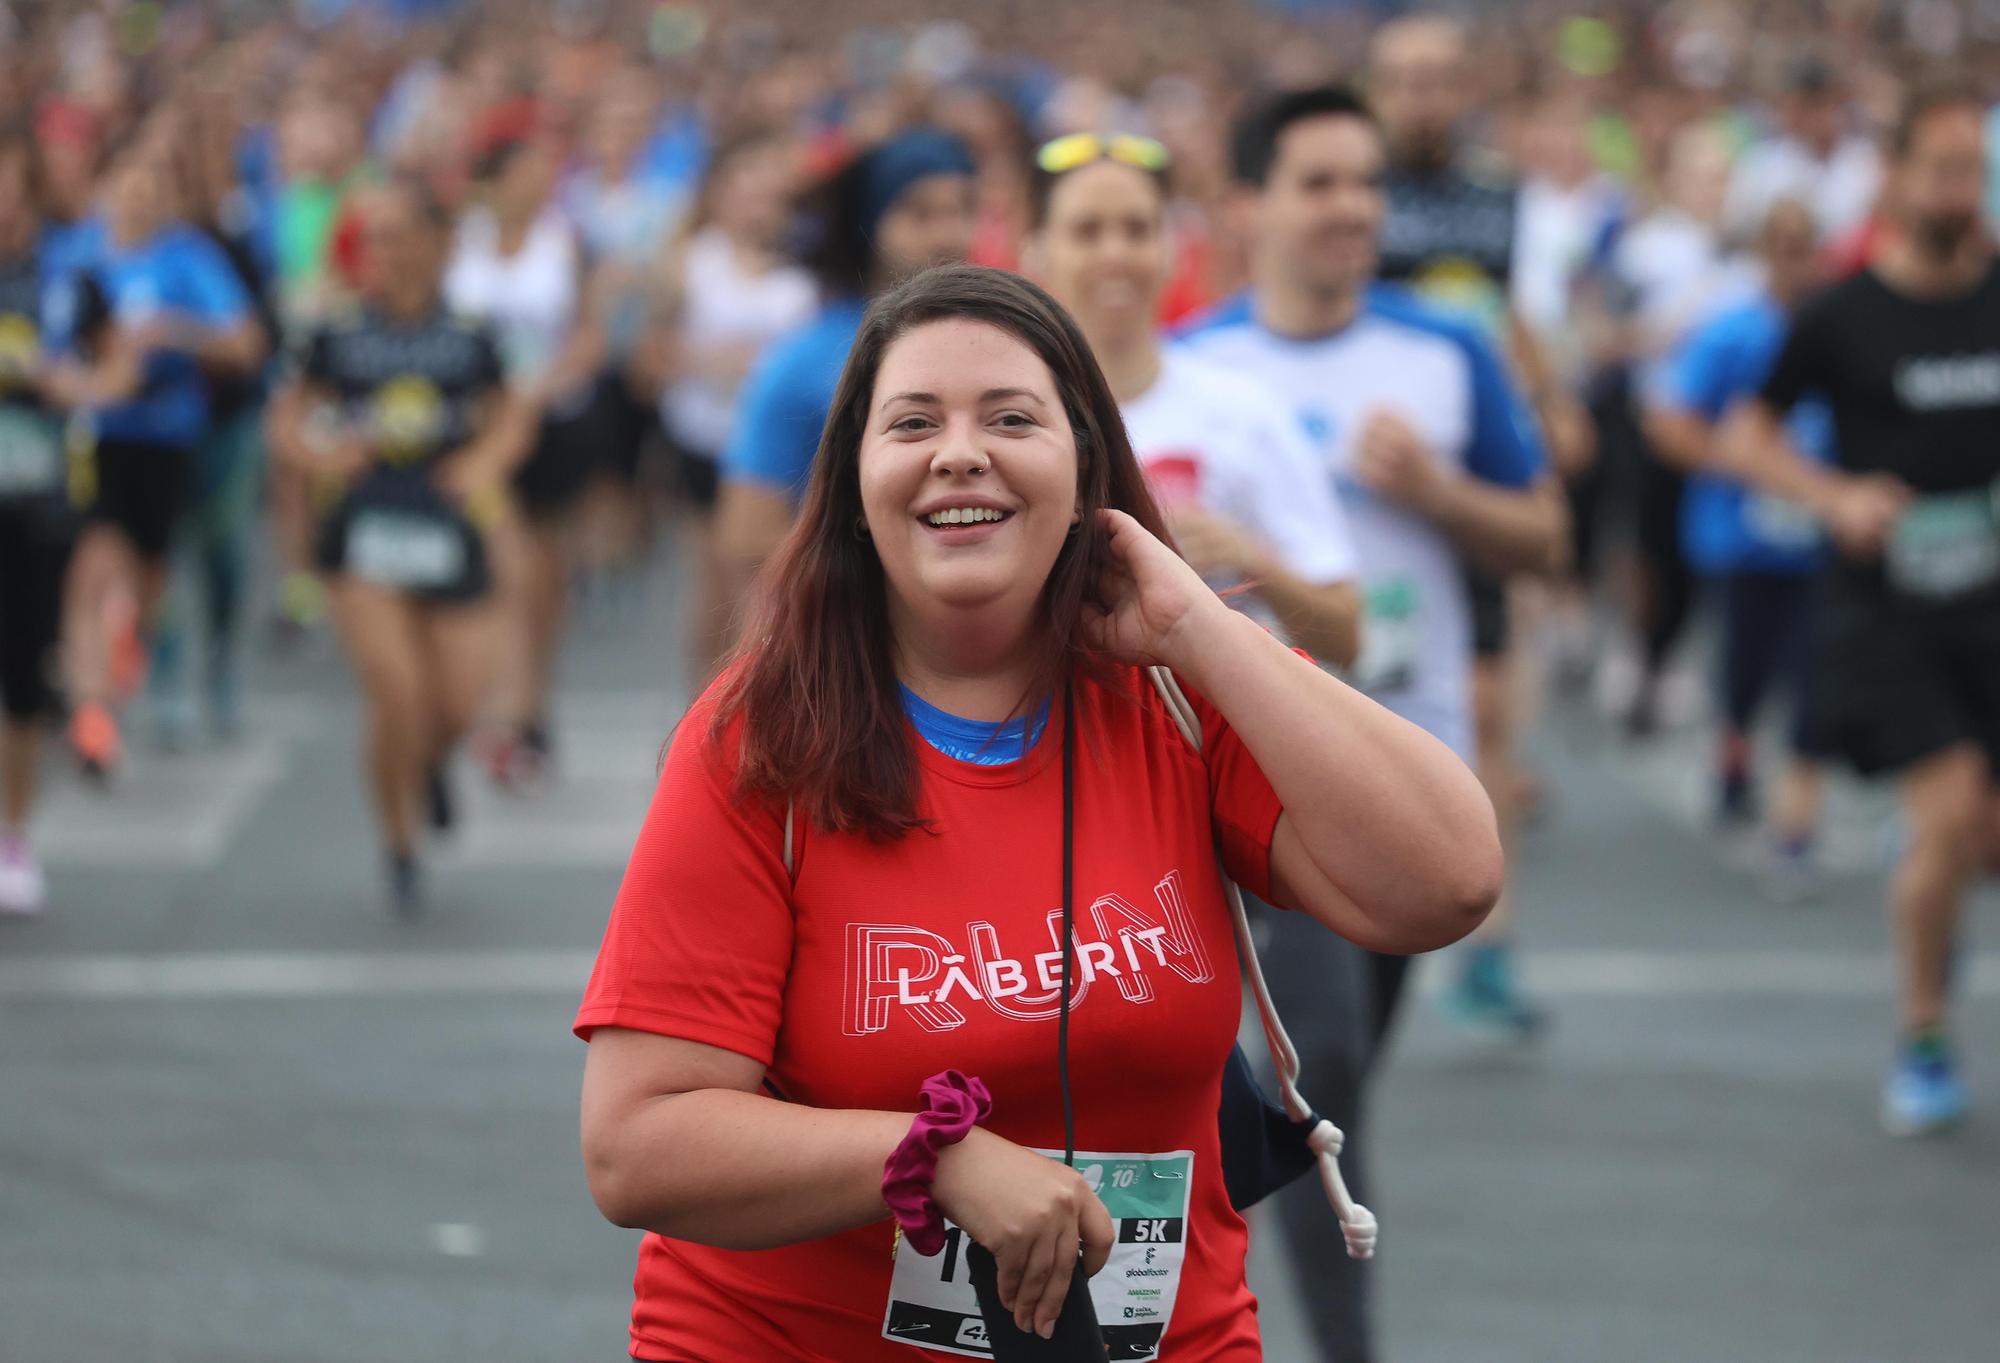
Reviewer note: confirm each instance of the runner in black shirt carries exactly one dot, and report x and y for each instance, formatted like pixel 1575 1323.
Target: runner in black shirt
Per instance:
pixel 35 525
pixel 1908 352
pixel 413 467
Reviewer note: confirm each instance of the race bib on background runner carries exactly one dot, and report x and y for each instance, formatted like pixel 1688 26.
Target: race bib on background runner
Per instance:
pixel 931 1302
pixel 405 549
pixel 1392 637
pixel 31 455
pixel 1780 524
pixel 1946 546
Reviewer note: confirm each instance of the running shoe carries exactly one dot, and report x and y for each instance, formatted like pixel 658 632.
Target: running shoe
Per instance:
pixel 1792 875
pixel 93 736
pixel 443 810
pixel 300 608
pixel 23 888
pixel 1735 802
pixel 517 761
pixel 406 891
pixel 1487 1000
pixel 1924 1094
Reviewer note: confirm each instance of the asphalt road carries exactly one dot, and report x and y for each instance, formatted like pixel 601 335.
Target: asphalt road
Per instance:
pixel 244 1117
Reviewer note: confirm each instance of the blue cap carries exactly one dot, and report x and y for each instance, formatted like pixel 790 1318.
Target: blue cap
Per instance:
pixel 891 168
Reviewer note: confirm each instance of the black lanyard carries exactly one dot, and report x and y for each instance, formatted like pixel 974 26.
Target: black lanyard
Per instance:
pixel 1068 917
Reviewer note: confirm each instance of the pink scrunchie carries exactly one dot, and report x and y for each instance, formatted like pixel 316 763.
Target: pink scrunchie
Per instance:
pixel 952 1105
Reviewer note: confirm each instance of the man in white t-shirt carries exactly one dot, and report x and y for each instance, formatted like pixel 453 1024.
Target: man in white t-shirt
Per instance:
pixel 1245 495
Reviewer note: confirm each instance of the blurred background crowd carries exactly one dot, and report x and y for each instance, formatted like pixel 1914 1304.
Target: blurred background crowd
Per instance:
pixel 636 199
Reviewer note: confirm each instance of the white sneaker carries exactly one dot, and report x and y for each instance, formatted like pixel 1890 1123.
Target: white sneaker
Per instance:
pixel 23 888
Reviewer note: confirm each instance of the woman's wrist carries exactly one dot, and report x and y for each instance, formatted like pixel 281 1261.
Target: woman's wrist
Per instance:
pixel 1207 632
pixel 953 1106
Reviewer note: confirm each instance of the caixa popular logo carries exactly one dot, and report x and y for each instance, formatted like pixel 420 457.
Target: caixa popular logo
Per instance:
pixel 897 967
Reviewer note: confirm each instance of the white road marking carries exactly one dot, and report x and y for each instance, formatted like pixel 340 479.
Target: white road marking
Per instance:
pixel 294 975
pixel 177 812
pixel 337 974
pixel 457 1240
pixel 589 815
pixel 1676 776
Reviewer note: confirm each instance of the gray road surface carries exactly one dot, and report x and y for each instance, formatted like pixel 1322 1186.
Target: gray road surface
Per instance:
pixel 243 1117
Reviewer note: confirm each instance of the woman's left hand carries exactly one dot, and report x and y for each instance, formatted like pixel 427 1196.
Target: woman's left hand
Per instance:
pixel 1157 607
pixel 479 490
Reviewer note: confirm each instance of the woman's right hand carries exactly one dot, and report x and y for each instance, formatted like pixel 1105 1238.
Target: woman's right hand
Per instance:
pixel 1032 1213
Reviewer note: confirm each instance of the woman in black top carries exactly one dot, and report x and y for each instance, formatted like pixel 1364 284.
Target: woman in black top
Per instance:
pixel 400 416
pixel 35 527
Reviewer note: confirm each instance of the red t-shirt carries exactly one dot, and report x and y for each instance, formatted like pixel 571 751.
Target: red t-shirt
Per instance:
pixel 876 965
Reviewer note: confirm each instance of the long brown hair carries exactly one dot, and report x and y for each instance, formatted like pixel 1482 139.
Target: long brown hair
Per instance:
pixel 812 679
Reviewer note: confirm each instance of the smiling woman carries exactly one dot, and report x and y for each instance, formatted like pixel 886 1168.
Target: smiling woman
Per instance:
pixel 826 1023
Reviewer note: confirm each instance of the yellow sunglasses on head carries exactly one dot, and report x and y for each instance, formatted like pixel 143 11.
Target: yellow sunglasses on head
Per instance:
pixel 1075 150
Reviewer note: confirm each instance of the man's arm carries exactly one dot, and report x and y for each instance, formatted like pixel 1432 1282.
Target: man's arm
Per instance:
pixel 1504 529
pixel 1323 618
pixel 1859 510
pixel 1752 446
pixel 1702 376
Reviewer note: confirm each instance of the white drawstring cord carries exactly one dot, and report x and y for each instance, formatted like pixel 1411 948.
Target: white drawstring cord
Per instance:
pixel 1357 1224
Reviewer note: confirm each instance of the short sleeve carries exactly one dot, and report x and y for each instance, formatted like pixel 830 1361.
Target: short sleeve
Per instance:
pixel 216 294
pixel 778 420
pixel 1801 365
pixel 1297 510
pixel 1506 447
pixel 1242 804
pixel 700 939
pixel 1698 376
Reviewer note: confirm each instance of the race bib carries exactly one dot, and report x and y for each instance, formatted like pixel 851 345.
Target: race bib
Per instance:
pixel 405 549
pixel 1780 524
pixel 31 455
pixel 931 1302
pixel 1946 546
pixel 1392 637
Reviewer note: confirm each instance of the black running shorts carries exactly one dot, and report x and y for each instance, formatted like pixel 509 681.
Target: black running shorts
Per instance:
pixel 1896 682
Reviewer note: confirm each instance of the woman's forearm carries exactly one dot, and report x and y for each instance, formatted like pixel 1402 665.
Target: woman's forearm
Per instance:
pixel 506 438
pixel 1395 824
pixel 740 1170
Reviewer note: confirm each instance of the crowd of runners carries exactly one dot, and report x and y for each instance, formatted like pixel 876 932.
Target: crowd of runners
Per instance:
pixel 1545 359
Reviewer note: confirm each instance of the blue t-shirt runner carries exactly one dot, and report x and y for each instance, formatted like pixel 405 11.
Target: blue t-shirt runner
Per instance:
pixel 785 400
pixel 1726 527
pixel 177 274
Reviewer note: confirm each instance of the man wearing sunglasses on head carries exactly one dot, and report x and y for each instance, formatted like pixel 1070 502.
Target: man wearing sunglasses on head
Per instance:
pixel 1437 466
pixel 1243 492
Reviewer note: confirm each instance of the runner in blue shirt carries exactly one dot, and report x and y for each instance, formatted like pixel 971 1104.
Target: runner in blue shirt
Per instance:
pixel 172 306
pixel 904 205
pixel 1761 552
